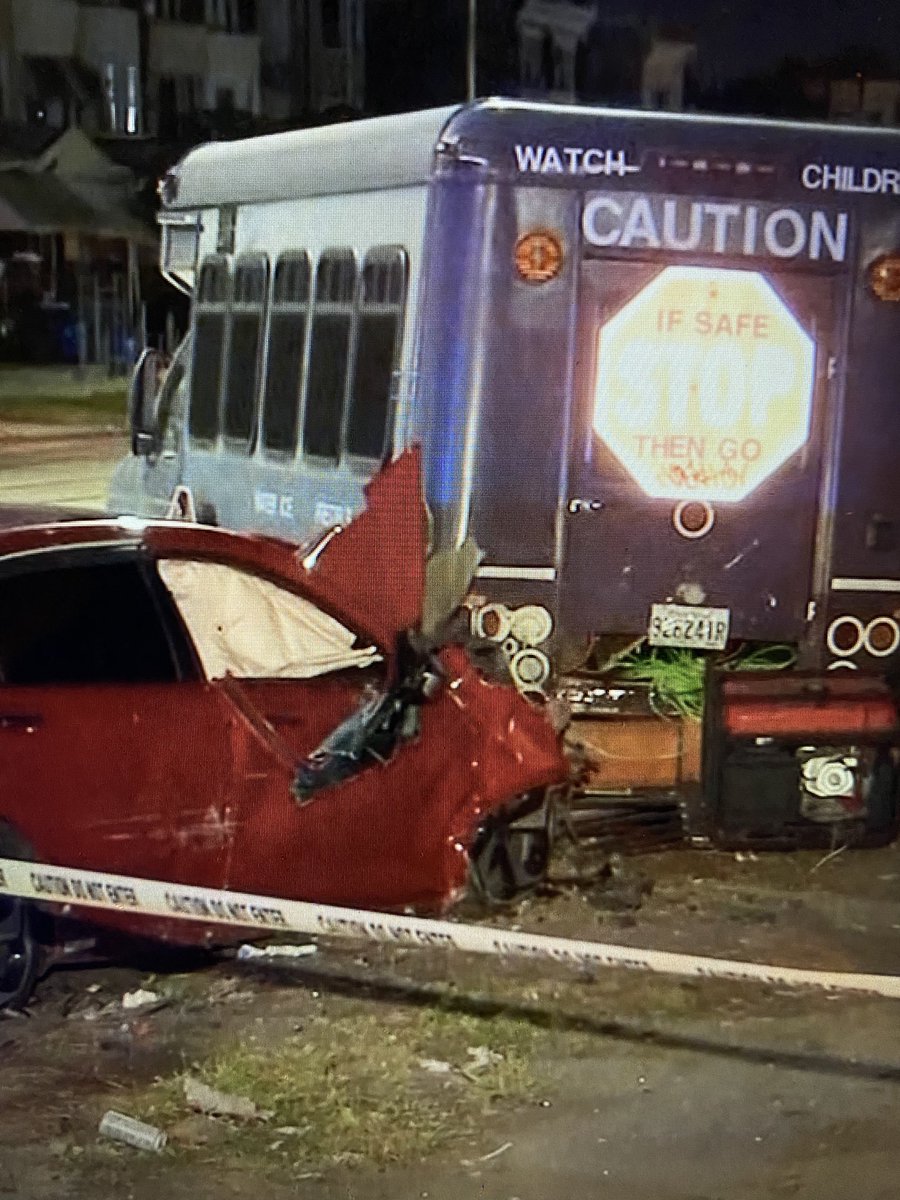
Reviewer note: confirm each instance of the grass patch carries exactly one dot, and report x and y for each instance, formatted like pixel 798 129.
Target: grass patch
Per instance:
pixel 100 407
pixel 353 1088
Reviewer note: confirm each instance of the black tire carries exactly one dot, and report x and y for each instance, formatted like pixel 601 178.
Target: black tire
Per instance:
pixel 20 952
pixel 881 804
pixel 507 862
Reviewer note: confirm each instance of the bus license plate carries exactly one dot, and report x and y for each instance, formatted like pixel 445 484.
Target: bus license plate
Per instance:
pixel 688 626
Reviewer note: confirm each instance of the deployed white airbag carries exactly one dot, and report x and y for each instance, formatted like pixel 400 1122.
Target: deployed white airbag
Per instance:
pixel 248 627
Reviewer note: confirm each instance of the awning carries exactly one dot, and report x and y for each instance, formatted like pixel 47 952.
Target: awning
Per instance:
pixel 42 203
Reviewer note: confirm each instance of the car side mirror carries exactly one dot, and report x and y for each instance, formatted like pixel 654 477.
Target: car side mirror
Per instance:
pixel 142 401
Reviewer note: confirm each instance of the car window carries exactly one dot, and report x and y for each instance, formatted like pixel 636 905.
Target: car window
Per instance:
pixel 86 622
pixel 247 626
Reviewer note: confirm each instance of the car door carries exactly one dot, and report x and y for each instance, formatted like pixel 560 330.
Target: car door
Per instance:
pixel 115 753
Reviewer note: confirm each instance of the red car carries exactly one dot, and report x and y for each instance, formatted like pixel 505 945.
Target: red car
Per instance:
pixel 212 708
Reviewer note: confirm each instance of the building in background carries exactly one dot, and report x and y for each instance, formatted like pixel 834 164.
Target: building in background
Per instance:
pixel 415 54
pixel 63 63
pixel 312 58
pixel 202 66
pixel 71 252
pixel 569 50
pixel 99 97
pixel 864 100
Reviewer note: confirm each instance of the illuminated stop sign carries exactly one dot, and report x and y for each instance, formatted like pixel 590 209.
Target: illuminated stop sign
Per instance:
pixel 704 384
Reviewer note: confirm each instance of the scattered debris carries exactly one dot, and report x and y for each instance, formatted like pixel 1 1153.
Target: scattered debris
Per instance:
pixel 482 1058
pixel 246 952
pixel 121 1128
pixel 227 991
pixel 195 1130
pixel 436 1066
pixel 828 858
pixel 141 998
pixel 205 1099
pixel 617 887
pixel 496 1153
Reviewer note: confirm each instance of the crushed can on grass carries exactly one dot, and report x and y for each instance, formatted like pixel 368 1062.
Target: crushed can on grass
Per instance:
pixel 121 1128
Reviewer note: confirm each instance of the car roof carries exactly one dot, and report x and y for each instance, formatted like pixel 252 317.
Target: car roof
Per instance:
pixel 161 538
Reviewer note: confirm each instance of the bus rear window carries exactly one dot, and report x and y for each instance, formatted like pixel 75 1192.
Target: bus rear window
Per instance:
pixel 330 344
pixel 287 344
pixel 381 311
pixel 213 290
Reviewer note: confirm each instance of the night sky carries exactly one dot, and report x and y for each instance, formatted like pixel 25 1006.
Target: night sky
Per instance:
pixel 736 39
pixel 741 37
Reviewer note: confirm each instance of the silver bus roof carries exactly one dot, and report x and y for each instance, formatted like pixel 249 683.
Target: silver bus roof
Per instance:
pixel 353 156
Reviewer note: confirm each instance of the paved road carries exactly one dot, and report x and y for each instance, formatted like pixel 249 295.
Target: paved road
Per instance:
pixel 71 471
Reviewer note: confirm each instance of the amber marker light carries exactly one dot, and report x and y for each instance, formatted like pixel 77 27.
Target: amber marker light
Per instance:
pixel 884 277
pixel 538 256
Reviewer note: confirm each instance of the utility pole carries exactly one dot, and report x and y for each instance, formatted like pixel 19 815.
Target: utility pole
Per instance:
pixel 472 31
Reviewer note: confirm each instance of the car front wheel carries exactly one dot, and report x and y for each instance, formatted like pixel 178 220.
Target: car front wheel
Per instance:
pixel 512 850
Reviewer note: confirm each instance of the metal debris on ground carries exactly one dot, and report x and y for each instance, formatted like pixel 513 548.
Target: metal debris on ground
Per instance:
pixel 119 1127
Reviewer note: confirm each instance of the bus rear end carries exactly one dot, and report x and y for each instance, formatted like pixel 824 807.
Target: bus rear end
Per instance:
pixel 717 394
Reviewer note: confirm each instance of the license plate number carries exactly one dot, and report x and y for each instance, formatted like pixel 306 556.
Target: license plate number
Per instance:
pixel 688 626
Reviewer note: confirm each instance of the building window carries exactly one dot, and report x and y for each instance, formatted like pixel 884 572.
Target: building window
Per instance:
pixel 247 16
pixel 287 345
pixel 547 67
pixel 121 92
pixel 133 122
pixel 180 96
pixel 331 24
pixel 49 99
pixel 378 339
pixel 112 98
pixel 210 315
pixel 251 278
pixel 192 12
pixel 233 16
pixel 329 350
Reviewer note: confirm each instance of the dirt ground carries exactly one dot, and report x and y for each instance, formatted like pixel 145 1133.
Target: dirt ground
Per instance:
pixel 387 1073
